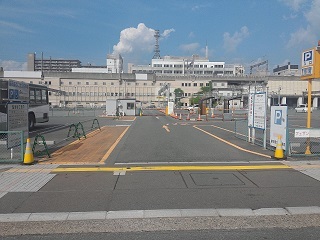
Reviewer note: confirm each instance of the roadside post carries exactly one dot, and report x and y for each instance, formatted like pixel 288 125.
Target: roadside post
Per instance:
pixel 310 69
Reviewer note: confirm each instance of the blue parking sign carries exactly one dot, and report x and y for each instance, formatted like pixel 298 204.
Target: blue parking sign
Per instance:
pixel 278 117
pixel 307 58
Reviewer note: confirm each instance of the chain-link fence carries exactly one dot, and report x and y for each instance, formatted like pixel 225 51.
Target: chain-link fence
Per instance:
pixel 11 146
pixel 298 146
pixel 45 143
pixel 72 112
pixel 302 146
pixel 256 136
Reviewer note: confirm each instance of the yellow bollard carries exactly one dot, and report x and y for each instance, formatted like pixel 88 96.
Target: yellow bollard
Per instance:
pixel 278 154
pixel 28 155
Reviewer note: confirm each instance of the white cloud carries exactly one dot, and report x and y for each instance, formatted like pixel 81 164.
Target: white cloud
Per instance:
pixel 14 26
pixel 231 42
pixel 9 65
pixel 166 33
pixel 140 39
pixel 189 48
pixel 310 33
pixel 294 4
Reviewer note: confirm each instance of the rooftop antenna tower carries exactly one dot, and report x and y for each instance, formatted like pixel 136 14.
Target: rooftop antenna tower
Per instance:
pixel 156 46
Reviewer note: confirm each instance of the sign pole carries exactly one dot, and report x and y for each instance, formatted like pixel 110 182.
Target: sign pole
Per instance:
pixel 309 114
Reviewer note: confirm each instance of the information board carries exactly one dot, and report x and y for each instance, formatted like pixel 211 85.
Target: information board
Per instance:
pixel 259 110
pixel 17 115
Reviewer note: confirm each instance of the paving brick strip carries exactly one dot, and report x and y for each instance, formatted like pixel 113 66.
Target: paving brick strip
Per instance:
pixel 93 147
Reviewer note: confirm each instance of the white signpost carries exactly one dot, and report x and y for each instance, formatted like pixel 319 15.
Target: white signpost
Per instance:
pixel 279 126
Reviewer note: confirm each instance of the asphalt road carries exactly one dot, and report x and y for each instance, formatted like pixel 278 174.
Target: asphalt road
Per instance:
pixel 159 141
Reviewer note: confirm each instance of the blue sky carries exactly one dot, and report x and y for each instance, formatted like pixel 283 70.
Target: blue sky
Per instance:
pixel 236 31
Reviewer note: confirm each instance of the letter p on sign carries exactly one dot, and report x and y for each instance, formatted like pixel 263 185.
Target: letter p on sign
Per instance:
pixel 278 117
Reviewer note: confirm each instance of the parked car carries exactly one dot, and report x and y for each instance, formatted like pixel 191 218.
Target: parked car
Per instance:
pixel 193 108
pixel 302 108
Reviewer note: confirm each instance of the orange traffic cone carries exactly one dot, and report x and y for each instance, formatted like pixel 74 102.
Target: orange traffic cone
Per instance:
pixel 199 118
pixel 278 154
pixel 28 155
pixel 188 117
pixel 180 118
pixel 212 114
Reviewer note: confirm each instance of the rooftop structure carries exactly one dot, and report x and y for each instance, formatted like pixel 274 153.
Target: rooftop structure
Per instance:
pixel 287 70
pixel 51 65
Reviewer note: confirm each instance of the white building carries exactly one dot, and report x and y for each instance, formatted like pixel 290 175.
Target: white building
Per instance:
pixel 195 65
pixel 114 63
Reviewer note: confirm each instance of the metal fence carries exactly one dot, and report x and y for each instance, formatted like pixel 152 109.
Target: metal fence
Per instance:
pixel 71 112
pixel 297 146
pixel 45 143
pixel 242 132
pixel 303 146
pixel 12 145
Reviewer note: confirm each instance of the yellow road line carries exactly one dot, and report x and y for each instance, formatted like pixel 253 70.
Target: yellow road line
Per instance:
pixel 105 157
pixel 172 168
pixel 233 145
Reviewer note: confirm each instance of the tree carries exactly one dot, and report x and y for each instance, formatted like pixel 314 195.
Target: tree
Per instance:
pixel 178 92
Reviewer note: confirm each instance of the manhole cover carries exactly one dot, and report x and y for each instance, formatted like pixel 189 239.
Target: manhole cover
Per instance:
pixel 216 179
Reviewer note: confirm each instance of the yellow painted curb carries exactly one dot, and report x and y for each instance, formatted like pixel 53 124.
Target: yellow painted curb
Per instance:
pixel 171 168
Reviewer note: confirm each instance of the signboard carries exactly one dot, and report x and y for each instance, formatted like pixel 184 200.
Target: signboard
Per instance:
pixel 17 121
pixel 250 110
pixel 278 125
pixel 259 110
pixel 18 91
pixel 310 64
pixel 307 132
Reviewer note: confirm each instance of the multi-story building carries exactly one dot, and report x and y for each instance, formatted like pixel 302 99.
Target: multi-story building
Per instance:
pixel 51 65
pixel 195 65
pixel 287 70
pixel 114 63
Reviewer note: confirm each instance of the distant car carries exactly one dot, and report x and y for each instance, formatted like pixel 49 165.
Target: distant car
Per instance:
pixel 193 108
pixel 302 108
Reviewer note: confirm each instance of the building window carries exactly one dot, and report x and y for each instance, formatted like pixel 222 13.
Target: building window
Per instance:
pixel 70 83
pixel 79 83
pixel 195 84
pixel 201 84
pixel 145 84
pixel 182 84
pixel 130 106
pixel 137 84
pixel 104 83
pixel 207 85
pixel 111 83
pixel 87 83
pixel 189 84
pixel 95 83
